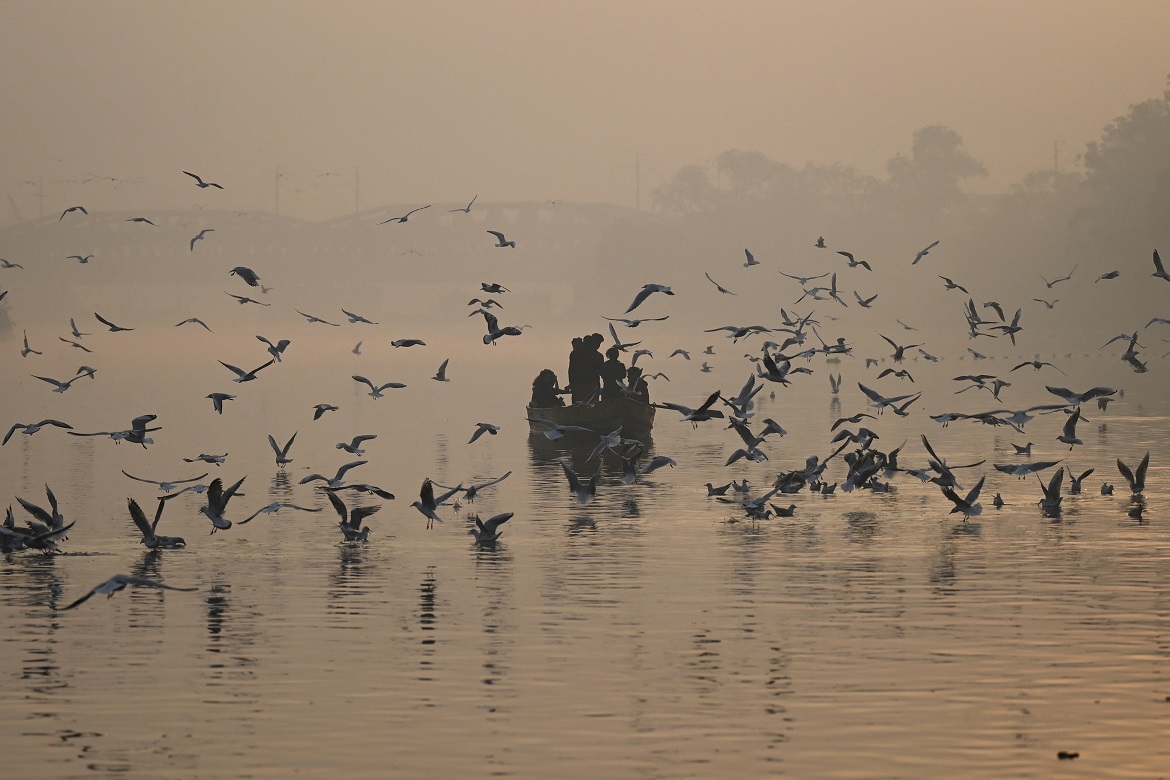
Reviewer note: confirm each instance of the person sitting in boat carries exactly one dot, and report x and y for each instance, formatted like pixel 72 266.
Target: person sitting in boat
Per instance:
pixel 636 385
pixel 545 390
pixel 613 373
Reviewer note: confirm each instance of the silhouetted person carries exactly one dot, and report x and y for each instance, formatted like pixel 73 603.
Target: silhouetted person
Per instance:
pixel 585 368
pixel 638 388
pixel 545 390
pixel 613 371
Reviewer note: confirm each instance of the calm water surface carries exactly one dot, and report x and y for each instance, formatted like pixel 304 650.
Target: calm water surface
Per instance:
pixel 652 633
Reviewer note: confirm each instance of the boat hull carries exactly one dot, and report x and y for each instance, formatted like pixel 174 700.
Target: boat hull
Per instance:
pixel 634 417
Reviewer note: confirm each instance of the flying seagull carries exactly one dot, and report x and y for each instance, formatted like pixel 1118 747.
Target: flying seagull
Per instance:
pixel 923 253
pixel 202 184
pixel 466 209
pixel 199 237
pixel 501 241
pixel 405 216
pixel 117 583
pixel 72 208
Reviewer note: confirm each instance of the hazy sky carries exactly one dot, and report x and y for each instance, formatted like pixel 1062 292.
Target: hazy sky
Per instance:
pixel 439 101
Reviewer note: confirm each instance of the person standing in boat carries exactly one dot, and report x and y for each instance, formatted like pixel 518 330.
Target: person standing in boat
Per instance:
pixel 585 363
pixel 613 373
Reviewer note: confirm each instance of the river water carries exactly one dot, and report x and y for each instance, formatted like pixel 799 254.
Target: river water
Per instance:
pixel 654 632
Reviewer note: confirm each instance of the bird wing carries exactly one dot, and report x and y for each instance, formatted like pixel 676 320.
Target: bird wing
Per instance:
pixel 139 517
pixel 233 369
pixel 491 525
pixel 363 380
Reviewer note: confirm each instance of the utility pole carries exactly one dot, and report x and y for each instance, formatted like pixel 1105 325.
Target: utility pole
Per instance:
pixel 637 182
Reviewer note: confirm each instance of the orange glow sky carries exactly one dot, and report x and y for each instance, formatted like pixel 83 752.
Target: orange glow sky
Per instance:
pixel 438 101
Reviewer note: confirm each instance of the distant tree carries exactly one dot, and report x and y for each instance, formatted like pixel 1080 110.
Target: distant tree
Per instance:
pixel 1129 168
pixel 929 178
pixel 689 191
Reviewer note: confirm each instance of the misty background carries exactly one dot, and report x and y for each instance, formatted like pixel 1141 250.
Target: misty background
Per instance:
pixel 619 144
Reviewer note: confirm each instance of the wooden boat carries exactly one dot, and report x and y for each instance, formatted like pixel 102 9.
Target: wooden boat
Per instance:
pixel 634 417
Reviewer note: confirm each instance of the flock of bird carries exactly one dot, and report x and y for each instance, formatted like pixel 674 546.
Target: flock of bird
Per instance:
pixel 779 362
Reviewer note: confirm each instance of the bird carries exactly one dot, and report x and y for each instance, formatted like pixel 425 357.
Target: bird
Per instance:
pixel 923 253
pixel 501 241
pixel 408 343
pixel 1050 304
pixel 466 209
pixel 646 291
pixel 1136 477
pixel 803 280
pixel 277 349
pixel 1049 284
pixel 1023 449
pixel 1036 364
pixel 583 493
pixel 275 507
pixel 218 460
pixel 72 208
pixel 717 491
pixel 337 480
pixel 143 220
pixel 473 490
pixel 9 264
pixel 686 355
pixel 554 431
pixel 354 319
pixel 968 505
pixel 751 259
pixel 83 259
pixel 951 285
pixel 1022 470
pixel 1069 434
pixel 320 409
pixel 194 321
pixel 718 286
pixel 441 374
pixel 853 263
pixel 695 416
pixel 282 458
pixel 245 376
pixel 1074 485
pixel 427 504
pixel 405 216
pixel 899 351
pixel 217 501
pixel 486 532
pixel 117 583
pixel 217 400
pixel 135 434
pixel 26 350
pixel 1159 270
pixel 865 303
pixel 351 520
pixel 636 323
pixel 250 277
pixel 311 318
pixel 486 304
pixel 493 288
pixel 60 387
pixel 481 429
pixel 242 300
pixel 820 244
pixel 1107 275
pixel 357 348
pixel 30 428
pixel 113 328
pixel 1050 503
pixel 200 236
pixel 167 486
pixel 354 447
pixel 202 184
pixel 148 528
pixel 376 390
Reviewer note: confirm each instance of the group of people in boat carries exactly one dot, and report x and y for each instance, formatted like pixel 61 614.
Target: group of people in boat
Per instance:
pixel 591 377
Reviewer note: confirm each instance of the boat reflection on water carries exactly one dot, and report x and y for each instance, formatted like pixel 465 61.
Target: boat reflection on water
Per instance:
pixel 574 449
